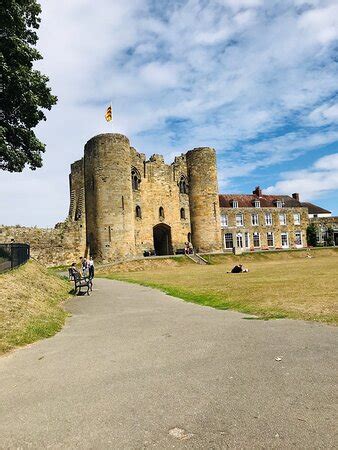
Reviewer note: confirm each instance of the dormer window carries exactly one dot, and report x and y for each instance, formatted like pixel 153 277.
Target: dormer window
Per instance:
pixel 279 204
pixel 234 203
pixel 257 204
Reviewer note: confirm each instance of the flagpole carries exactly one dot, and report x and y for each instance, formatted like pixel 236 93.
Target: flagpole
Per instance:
pixel 112 116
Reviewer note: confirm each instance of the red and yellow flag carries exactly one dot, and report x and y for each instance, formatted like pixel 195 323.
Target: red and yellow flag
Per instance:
pixel 109 114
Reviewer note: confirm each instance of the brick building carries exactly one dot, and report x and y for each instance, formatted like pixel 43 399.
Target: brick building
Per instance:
pixel 258 221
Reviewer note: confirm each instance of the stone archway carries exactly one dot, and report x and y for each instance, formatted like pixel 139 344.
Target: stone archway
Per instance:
pixel 162 239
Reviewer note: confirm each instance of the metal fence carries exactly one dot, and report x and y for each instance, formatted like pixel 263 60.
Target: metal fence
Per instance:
pixel 13 255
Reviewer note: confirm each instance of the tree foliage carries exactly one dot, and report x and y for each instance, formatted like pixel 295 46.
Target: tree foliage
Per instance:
pixel 311 235
pixel 330 236
pixel 24 90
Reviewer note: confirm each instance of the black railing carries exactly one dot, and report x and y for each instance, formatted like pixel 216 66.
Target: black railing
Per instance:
pixel 13 255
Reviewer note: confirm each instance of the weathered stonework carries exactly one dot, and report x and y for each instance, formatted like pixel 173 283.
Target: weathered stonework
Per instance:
pixel 50 246
pixel 134 205
pixel 109 207
pixel 124 219
pixel 204 202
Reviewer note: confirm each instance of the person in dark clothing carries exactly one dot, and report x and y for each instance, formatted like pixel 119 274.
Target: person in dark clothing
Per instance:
pixel 239 269
pixel 72 270
pixel 236 269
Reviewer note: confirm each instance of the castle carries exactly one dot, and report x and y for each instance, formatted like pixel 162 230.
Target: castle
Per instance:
pixel 123 205
pixel 134 206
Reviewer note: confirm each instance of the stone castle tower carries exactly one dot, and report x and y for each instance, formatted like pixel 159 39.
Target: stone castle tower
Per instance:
pixel 129 205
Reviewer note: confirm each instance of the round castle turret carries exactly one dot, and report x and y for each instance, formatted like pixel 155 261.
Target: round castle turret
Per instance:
pixel 203 199
pixel 109 210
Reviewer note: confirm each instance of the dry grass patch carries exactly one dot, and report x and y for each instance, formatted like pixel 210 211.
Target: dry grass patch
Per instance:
pixel 30 307
pixel 286 284
pixel 141 265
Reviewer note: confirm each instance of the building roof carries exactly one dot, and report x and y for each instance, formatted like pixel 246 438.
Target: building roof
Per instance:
pixel 266 201
pixel 314 209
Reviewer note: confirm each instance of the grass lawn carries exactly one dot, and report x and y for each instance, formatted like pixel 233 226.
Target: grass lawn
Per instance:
pixel 30 305
pixel 285 284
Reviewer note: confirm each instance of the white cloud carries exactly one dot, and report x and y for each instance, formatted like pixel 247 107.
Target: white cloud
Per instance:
pixel 311 183
pixel 236 72
pixel 324 114
pixel 328 163
pixel 160 75
pixel 322 23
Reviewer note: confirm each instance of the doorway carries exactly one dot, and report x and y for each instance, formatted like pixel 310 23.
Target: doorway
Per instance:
pixel 162 239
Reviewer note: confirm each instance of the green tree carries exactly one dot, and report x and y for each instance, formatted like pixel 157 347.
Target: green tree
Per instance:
pixel 311 235
pixel 24 90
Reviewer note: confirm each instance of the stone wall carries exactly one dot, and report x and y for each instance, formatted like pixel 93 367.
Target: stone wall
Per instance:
pixel 76 191
pixel 135 205
pixel 276 228
pixel 54 246
pixel 204 200
pixel 109 207
pixel 159 188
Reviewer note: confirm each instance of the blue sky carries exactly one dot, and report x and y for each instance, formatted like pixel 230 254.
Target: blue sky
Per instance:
pixel 256 79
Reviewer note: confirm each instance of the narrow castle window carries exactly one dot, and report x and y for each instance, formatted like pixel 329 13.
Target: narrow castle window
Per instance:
pixel 138 212
pixel 161 212
pixel 182 213
pixel 183 185
pixel 135 179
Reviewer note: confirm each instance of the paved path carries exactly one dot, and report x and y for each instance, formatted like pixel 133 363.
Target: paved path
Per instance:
pixel 133 367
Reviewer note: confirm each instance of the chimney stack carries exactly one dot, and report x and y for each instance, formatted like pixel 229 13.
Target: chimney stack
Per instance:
pixel 295 195
pixel 257 191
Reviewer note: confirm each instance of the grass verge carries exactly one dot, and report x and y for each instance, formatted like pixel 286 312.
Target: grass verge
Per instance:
pixel 278 285
pixel 30 305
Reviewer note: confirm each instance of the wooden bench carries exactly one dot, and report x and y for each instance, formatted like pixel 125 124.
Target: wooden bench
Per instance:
pixel 81 282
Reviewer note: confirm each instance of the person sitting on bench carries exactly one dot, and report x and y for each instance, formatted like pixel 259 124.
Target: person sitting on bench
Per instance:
pixel 71 271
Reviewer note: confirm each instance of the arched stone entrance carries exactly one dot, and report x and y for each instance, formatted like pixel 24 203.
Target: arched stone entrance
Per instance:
pixel 162 239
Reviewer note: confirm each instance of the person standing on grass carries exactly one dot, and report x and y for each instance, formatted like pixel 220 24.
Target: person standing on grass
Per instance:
pixel 91 267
